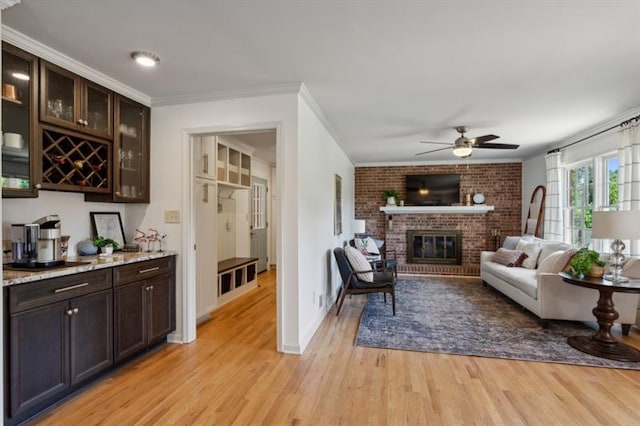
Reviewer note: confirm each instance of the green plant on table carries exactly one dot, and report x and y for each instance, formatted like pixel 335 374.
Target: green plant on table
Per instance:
pixel 582 262
pixel 103 242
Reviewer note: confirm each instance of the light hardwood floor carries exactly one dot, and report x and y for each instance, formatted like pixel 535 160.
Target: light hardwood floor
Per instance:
pixel 232 374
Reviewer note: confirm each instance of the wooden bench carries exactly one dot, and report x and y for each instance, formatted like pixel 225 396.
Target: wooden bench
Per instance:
pixel 236 273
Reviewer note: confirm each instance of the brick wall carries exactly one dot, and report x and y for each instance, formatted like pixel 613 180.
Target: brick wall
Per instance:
pixel 501 184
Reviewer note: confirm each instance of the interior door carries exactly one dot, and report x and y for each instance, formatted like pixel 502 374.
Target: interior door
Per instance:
pixel 259 222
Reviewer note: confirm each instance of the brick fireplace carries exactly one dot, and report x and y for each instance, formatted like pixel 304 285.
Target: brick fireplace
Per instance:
pixel 499 182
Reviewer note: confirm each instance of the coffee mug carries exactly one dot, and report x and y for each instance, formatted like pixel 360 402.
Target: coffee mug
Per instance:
pixel 13 140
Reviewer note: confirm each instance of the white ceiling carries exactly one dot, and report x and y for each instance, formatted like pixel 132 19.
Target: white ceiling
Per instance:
pixel 386 74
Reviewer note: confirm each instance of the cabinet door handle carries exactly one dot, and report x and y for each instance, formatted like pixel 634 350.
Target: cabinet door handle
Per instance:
pixel 205 196
pixel 150 287
pixel 69 312
pixel 85 122
pixel 71 287
pixel 38 186
pixel 75 310
pixel 205 157
pixel 144 271
pixel 80 121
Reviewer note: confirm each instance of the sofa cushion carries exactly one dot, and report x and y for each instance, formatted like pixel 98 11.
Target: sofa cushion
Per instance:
pixel 359 263
pixel 510 243
pixel 532 250
pixel 548 247
pixel 631 268
pixel 523 279
pixel 508 257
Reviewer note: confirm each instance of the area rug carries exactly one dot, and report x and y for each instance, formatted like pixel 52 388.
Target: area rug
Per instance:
pixel 463 317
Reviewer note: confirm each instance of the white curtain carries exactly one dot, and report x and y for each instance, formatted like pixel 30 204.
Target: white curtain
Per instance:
pixel 629 173
pixel 553 205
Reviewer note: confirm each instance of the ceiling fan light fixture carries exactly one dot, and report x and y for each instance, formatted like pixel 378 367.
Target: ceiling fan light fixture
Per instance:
pixel 461 148
pixel 145 59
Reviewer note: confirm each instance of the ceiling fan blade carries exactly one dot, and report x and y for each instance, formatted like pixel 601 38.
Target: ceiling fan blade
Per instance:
pixel 497 146
pixel 433 150
pixel 437 143
pixel 482 139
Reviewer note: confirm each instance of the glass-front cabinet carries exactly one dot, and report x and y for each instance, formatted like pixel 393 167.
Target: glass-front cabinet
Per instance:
pixel 131 151
pixel 70 101
pixel 19 109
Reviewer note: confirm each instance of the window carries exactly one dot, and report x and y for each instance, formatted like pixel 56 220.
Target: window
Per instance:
pixel 590 186
pixel 580 192
pixel 259 211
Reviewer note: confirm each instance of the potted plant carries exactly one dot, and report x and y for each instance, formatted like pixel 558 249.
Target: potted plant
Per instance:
pixel 390 196
pixel 586 263
pixel 107 245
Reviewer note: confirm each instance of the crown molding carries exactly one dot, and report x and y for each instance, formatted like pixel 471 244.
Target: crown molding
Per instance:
pixel 218 95
pixel 311 103
pixel 438 163
pixel 45 52
pixel 6 4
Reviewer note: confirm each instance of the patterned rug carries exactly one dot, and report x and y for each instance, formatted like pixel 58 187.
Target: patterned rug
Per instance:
pixel 463 317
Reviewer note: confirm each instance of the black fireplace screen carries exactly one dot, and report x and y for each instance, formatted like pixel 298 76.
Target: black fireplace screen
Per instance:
pixel 435 247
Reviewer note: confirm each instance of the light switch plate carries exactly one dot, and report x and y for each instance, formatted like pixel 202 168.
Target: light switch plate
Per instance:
pixel 172 216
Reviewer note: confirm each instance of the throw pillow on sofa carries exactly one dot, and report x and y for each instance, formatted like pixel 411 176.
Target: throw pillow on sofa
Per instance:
pixel 510 243
pixel 556 262
pixel 532 250
pixel 508 257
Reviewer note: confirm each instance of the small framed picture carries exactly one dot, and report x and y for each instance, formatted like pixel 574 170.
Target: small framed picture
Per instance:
pixel 337 212
pixel 108 225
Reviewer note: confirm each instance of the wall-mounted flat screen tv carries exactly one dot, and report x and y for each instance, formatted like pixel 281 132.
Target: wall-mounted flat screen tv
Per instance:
pixel 433 190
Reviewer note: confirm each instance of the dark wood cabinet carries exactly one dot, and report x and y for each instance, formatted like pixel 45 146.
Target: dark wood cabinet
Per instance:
pixel 19 122
pixel 144 304
pixel 63 332
pixel 130 165
pixel 70 101
pixel 60 334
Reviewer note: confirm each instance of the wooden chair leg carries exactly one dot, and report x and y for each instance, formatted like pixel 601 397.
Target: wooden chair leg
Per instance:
pixel 341 301
pixel 393 301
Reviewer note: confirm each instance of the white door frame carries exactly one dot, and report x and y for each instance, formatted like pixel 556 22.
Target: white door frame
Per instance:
pixel 188 225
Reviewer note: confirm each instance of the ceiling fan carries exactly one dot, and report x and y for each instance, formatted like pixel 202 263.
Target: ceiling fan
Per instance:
pixel 463 146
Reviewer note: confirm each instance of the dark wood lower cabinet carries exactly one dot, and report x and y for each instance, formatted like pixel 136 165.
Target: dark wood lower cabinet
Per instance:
pixel 63 332
pixel 144 309
pixel 39 341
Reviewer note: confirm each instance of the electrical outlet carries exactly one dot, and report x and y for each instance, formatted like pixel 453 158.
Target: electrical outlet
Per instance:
pixel 172 216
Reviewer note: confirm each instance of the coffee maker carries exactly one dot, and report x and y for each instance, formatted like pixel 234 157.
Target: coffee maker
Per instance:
pixel 38 244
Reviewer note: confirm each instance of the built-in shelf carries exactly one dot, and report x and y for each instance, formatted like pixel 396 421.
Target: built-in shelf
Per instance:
pixel 476 209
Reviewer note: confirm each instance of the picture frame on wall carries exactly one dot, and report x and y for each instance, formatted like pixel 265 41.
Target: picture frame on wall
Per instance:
pixel 337 215
pixel 108 225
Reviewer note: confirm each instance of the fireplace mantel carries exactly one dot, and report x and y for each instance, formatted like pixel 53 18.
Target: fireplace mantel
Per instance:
pixel 476 209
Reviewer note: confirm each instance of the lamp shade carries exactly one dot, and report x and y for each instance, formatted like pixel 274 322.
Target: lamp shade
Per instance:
pixel 622 225
pixel 358 226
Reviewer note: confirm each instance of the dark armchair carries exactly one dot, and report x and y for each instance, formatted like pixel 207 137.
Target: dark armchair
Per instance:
pixel 383 281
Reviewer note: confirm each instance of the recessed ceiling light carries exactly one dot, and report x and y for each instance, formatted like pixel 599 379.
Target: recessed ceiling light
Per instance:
pixel 145 59
pixel 20 76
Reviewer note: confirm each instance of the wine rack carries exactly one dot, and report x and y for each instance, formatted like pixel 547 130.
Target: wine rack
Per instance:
pixel 73 162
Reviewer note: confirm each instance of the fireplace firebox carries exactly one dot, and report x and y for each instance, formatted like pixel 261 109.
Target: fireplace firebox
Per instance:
pixel 434 247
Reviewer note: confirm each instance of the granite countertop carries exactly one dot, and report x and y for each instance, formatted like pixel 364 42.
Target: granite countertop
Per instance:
pixel 92 262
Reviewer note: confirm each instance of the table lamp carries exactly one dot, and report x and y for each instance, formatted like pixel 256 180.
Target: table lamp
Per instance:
pixel 359 226
pixel 616 225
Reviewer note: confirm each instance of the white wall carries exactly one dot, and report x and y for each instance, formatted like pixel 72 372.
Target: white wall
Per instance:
pixel 71 207
pixel 170 171
pixel 534 173
pixel 319 160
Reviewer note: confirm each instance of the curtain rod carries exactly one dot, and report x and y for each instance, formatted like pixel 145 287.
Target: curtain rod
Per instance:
pixel 624 123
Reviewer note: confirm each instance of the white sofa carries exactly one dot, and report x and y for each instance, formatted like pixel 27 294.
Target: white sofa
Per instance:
pixel 547 296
